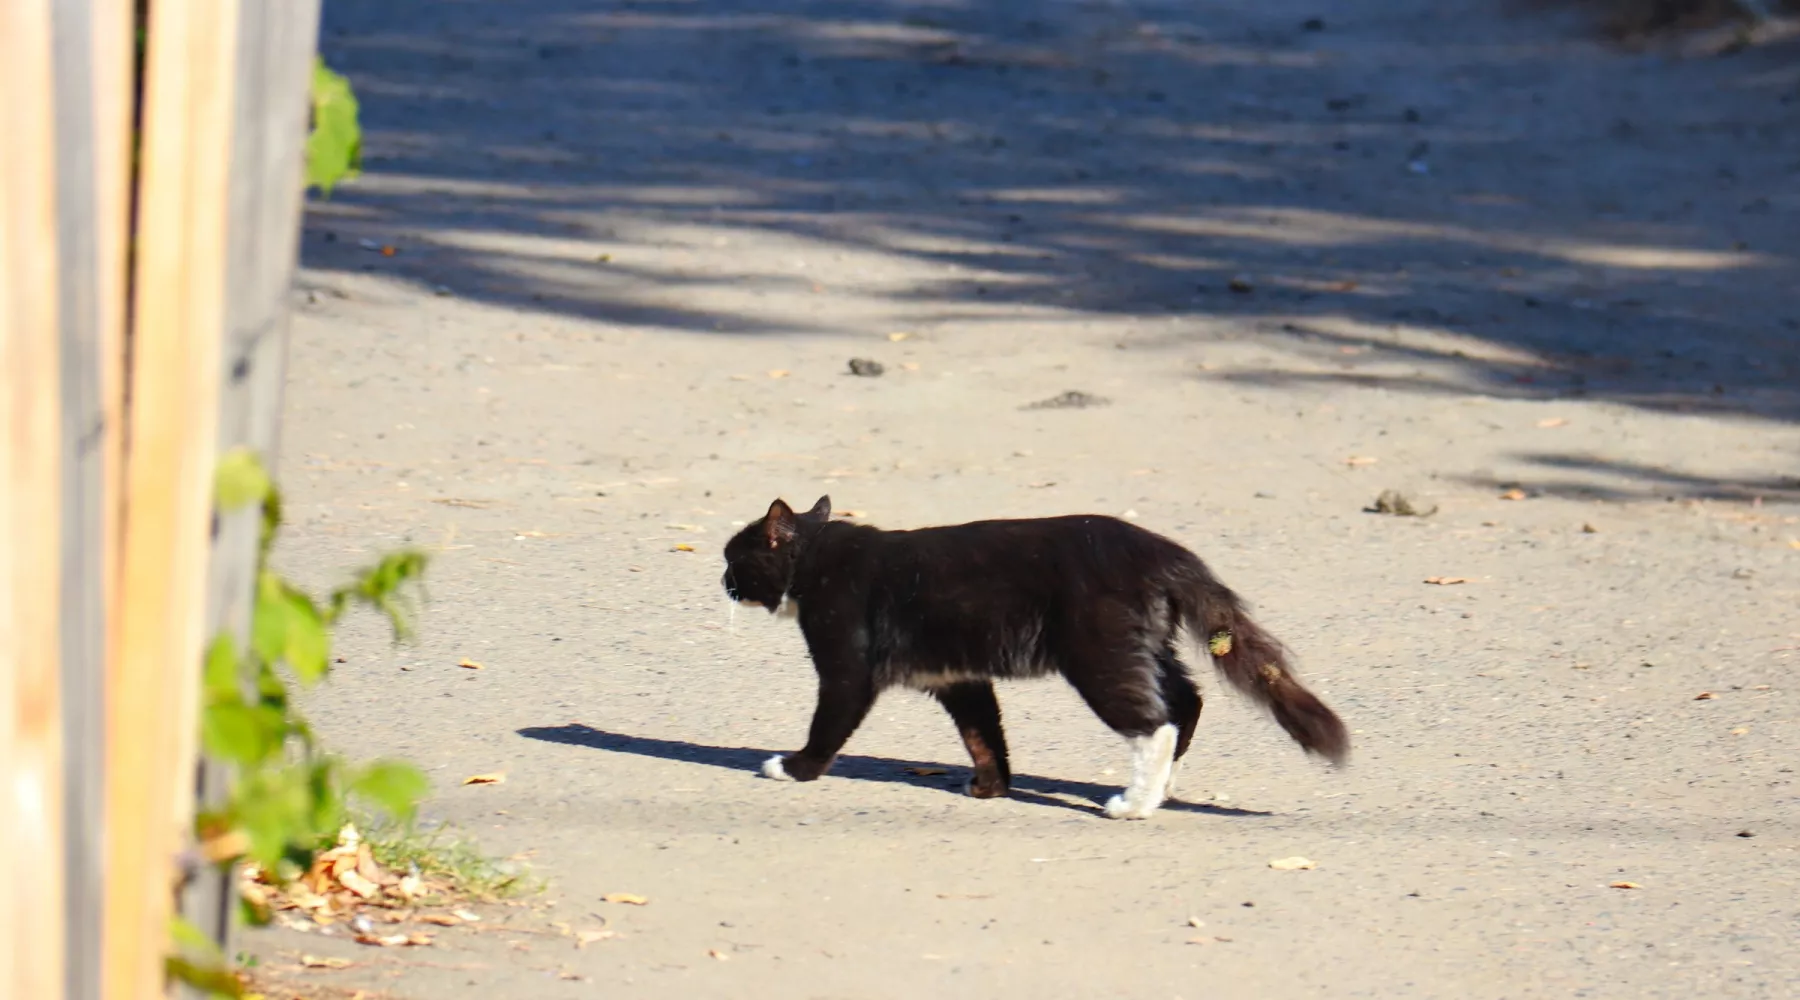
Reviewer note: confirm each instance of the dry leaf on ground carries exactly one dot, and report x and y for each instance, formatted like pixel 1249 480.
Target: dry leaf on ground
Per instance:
pixel 1623 885
pixel 925 771
pixel 778 373
pixel 631 898
pixel 1293 864
pixel 1549 422
pixel 1705 696
pixel 585 938
pixel 1446 581
pixel 898 336
pixel 716 953
pixel 394 940
pixel 440 919
pixel 467 664
pixel 355 882
pixel 1355 460
pixel 1195 922
pixel 496 778
pixel 316 962
pixel 682 547
pixel 1513 494
pixel 466 915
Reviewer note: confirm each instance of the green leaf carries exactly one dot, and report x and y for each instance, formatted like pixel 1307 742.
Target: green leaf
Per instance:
pixel 191 938
pixel 276 808
pixel 221 676
pixel 334 149
pixel 240 480
pixel 214 980
pixel 245 734
pixel 287 627
pixel 393 785
pixel 381 587
pixel 269 620
pixel 308 649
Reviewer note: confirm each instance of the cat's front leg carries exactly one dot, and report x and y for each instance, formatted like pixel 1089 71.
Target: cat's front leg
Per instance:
pixel 845 697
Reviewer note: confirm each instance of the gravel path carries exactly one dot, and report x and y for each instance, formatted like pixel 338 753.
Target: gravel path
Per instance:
pixel 1431 247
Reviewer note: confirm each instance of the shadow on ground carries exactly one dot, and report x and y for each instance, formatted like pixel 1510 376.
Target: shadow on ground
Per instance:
pixel 1390 211
pixel 886 770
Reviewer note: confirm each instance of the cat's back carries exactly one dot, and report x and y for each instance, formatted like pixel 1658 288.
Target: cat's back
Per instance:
pixel 1068 544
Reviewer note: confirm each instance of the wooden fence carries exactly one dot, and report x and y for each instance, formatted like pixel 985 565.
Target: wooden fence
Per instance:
pixel 149 213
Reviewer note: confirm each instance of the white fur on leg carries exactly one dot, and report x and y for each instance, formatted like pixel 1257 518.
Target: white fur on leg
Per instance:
pixel 772 769
pixel 1174 772
pixel 1152 758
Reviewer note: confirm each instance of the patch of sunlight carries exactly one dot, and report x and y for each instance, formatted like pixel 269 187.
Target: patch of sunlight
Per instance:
pixel 1178 262
pixel 1059 195
pixel 1309 227
pixel 587 194
pixel 879 31
pixel 1435 340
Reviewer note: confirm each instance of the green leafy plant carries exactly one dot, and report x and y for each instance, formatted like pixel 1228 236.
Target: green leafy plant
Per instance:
pixel 334 149
pixel 287 796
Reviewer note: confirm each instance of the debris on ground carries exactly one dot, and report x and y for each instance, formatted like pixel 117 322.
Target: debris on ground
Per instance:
pixel 1074 399
pixel 866 367
pixel 1399 505
pixel 346 888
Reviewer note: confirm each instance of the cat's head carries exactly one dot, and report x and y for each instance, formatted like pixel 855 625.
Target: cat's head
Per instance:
pixel 759 560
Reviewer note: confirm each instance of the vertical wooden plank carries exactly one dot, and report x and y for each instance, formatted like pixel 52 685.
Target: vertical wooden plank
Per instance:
pixel 31 849
pixel 177 325
pixel 84 457
pixel 276 42
pixel 115 102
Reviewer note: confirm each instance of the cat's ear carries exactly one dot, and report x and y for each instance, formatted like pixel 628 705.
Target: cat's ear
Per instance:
pixel 822 509
pixel 778 523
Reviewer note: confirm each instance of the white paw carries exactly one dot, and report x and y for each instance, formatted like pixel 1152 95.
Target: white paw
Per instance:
pixel 772 769
pixel 1119 807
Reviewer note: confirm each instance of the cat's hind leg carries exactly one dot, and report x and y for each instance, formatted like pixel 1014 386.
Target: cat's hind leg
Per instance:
pixel 1183 699
pixel 976 712
pixel 1125 691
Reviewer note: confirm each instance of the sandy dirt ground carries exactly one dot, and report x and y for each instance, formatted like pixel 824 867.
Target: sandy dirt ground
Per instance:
pixel 1445 248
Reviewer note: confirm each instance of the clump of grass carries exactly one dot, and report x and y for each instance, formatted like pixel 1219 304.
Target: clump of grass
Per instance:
pixel 446 860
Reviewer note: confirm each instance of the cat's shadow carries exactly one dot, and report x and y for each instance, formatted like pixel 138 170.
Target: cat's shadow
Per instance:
pixel 888 770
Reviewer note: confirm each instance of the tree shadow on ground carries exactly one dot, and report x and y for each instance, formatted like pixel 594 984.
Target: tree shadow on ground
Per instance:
pixel 1590 477
pixel 1386 209
pixel 884 770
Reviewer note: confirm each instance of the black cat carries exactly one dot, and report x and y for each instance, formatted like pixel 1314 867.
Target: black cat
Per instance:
pixel 949 610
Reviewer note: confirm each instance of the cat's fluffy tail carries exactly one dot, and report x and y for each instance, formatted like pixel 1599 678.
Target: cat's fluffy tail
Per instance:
pixel 1256 663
